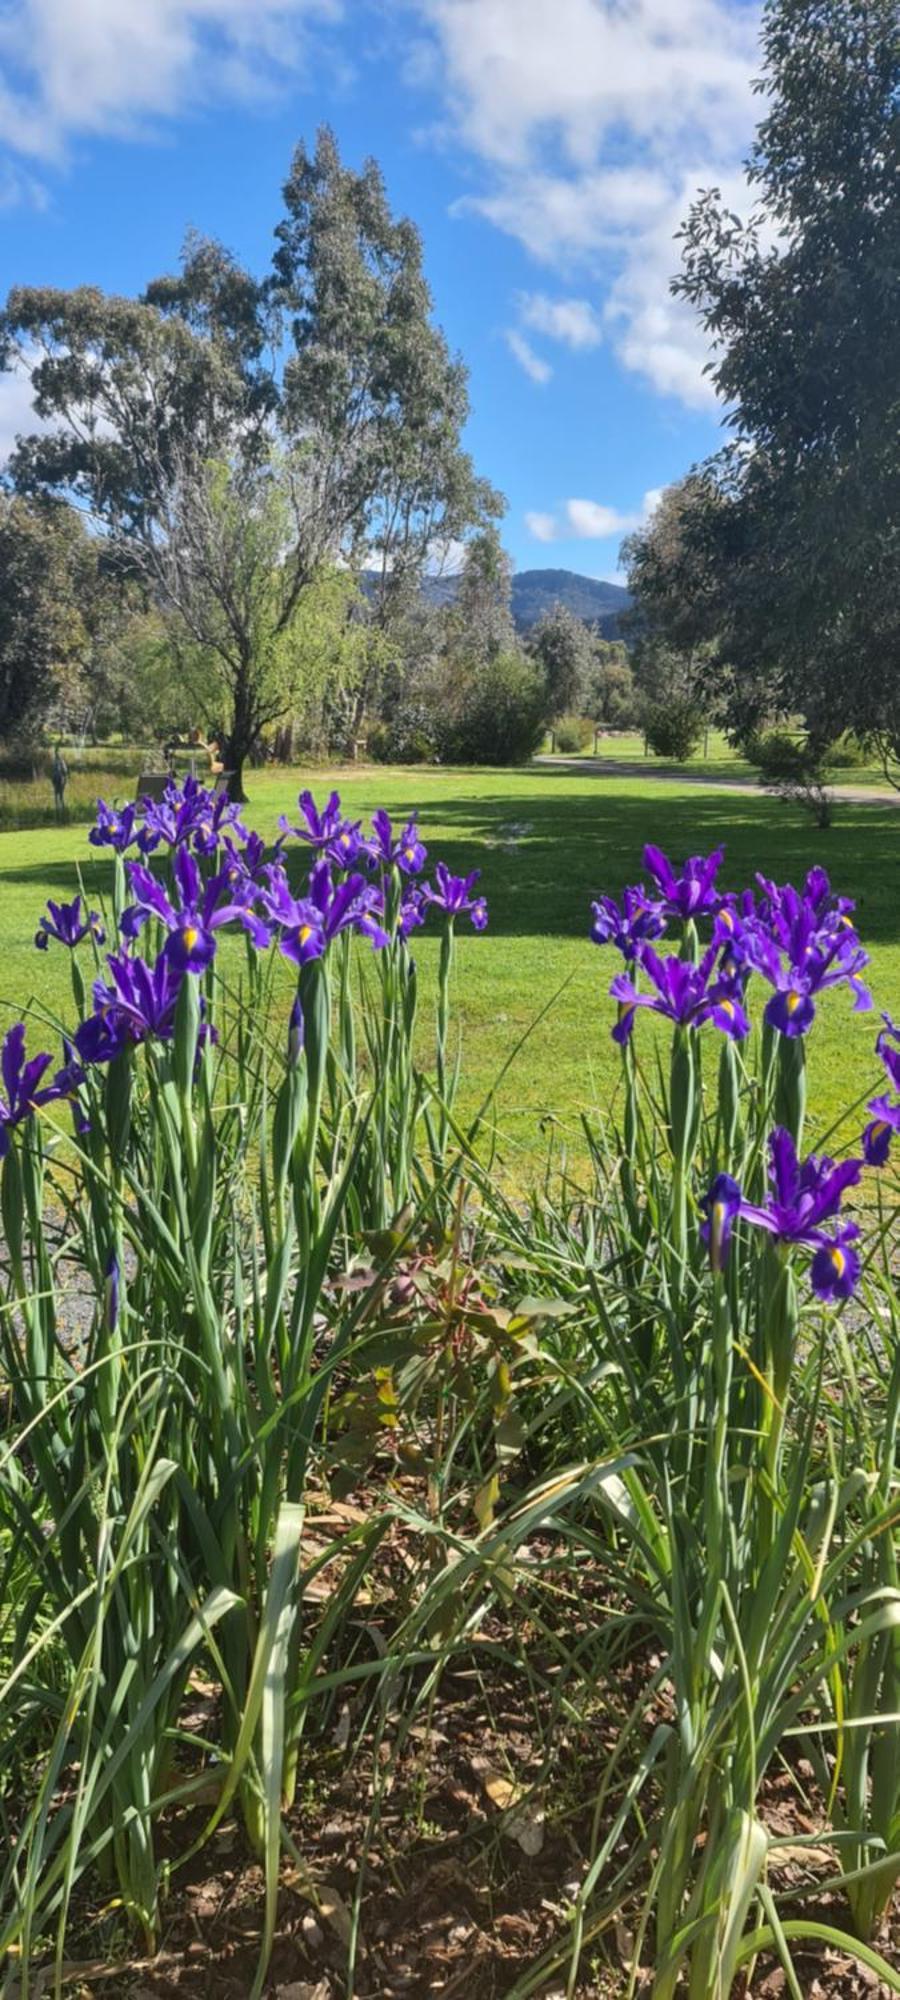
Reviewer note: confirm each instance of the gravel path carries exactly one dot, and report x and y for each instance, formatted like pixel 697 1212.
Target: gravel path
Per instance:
pixel 613 767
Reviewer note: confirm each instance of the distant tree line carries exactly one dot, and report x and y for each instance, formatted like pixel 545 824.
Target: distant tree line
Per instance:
pixel 464 687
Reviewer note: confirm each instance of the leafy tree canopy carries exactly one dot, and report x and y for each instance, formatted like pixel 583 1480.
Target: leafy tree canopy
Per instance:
pixel 174 418
pixel 787 542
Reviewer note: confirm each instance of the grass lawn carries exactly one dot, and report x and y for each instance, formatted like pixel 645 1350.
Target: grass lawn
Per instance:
pixel 547 841
pixel 718 760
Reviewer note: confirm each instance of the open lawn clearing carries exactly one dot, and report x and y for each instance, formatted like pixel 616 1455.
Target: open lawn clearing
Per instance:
pixel 547 840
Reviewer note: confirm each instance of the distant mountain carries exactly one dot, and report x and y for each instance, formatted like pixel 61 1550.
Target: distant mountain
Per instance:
pixel 537 590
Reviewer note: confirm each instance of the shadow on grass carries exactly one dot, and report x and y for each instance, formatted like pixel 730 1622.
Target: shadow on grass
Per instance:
pixel 546 852
pixel 549 846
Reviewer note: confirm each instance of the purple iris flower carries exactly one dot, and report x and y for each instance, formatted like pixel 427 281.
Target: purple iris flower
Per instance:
pixel 340 840
pixel 403 848
pixel 802 942
pixel 454 896
pixel 836 1267
pixel 140 1001
pixel 720 1206
pixel 693 893
pixel 65 922
pixel 320 827
pixel 21 1084
pixel 737 943
pixel 308 923
pixel 804 1195
pixel 98 1039
pixel 190 814
pixel 885 1047
pixel 201 911
pixel 240 869
pixel 413 911
pixel 826 909
pixel 876 1139
pixel 684 993
pixel 114 828
pixel 353 902
pixel 629 925
pixel 252 853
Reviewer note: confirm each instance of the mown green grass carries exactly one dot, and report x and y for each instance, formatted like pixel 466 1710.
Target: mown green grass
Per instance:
pixel 547 841
pixel 716 759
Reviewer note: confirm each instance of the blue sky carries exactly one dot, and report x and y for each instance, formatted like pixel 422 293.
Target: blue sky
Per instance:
pixel 547 149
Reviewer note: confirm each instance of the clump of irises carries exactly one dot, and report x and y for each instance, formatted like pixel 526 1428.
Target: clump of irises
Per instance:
pixel 188 869
pixel 797 943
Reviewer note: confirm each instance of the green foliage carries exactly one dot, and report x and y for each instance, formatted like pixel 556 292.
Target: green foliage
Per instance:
pixel 847 754
pixel 370 387
pixel 611 691
pixel 793 543
pixel 659 1500
pixel 243 436
pixel 479 623
pixel 44 556
pixel 673 728
pixel 562 648
pixel 492 713
pixel 795 767
pixel 407 739
pixel 572 733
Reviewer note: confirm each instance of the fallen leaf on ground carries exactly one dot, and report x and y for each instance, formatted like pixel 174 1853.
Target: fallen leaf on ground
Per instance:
pixel 527 1827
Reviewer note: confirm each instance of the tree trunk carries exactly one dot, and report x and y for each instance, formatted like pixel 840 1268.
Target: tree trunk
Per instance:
pixel 240 740
pixel 235 767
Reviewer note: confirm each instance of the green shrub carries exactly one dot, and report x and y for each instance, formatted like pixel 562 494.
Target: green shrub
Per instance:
pixel 673 728
pixel 572 734
pixel 407 738
pixel 846 755
pixel 497 716
pixel 795 767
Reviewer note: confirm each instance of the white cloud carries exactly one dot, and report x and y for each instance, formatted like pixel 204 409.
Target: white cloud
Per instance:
pixel 446 558
pixel 590 520
pixel 20 189
pixel 538 369
pixel 541 527
pixel 572 321
pixel 16 411
pixel 595 121
pixel 70 67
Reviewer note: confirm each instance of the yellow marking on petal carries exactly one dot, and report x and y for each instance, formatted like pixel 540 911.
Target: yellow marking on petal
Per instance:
pixel 409 853
pixel 838 1260
pixel 726 918
pixel 727 1007
pixel 345 839
pixel 305 933
pixel 191 936
pixel 793 1002
pixel 718 1214
pixel 880 1125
